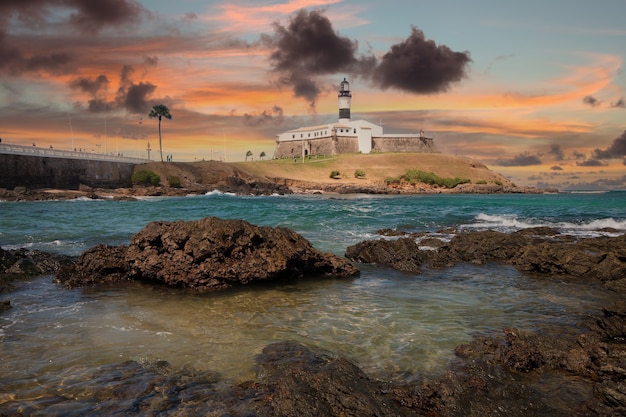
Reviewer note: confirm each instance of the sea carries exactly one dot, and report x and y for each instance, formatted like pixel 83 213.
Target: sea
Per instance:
pixel 393 325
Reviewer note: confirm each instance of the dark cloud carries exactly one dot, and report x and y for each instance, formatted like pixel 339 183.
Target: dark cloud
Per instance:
pixel 556 168
pixel 309 47
pixel 556 152
pixel 151 61
pixel 90 85
pixel 578 155
pixel 14 61
pixel 621 103
pixel 419 65
pixel 135 100
pixel 616 150
pixel 592 101
pixel 274 117
pixel 523 159
pixel 87 15
pixel 591 163
pixel 306 47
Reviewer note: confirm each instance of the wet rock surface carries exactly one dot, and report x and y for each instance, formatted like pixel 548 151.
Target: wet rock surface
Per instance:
pixel 206 254
pixel 536 251
pixel 18 264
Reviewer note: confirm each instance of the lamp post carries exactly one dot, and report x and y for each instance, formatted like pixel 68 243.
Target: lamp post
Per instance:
pixel 148 149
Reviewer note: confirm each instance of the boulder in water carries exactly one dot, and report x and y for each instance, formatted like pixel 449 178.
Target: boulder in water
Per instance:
pixel 207 254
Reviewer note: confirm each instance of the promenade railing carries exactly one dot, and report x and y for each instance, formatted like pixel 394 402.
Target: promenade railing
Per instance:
pixel 6 148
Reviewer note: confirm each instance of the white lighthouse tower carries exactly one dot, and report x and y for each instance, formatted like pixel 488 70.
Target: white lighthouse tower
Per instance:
pixel 345 96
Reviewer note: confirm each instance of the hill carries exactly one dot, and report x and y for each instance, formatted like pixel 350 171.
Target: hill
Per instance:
pixel 314 174
pixel 377 168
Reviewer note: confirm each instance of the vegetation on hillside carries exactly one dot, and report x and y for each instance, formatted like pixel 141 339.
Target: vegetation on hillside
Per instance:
pixel 359 173
pixel 174 181
pixel 145 177
pixel 414 176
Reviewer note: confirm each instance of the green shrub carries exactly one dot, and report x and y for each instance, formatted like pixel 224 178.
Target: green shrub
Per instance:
pixel 334 174
pixel 481 182
pixel 498 182
pixel 173 181
pixel 414 176
pixel 392 180
pixel 145 177
pixel 359 173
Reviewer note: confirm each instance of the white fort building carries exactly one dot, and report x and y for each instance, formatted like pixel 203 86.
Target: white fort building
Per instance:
pixel 347 136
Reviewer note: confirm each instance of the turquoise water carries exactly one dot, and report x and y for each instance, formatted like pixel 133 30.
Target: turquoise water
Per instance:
pixel 393 325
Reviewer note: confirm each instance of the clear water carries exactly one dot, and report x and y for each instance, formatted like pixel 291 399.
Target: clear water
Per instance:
pixel 393 325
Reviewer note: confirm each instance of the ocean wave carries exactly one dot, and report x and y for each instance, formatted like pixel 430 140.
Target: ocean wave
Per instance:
pixel 218 192
pixel 513 222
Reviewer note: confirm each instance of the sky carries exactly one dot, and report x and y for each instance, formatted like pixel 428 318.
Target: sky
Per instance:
pixel 536 90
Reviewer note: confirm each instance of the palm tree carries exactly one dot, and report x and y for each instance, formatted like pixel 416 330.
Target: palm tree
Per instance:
pixel 262 155
pixel 159 111
pixel 248 154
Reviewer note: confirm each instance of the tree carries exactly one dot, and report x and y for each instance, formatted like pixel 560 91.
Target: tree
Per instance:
pixel 248 154
pixel 159 111
pixel 262 155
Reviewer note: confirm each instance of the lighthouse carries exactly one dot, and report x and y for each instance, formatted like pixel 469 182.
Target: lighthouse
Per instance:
pixel 344 101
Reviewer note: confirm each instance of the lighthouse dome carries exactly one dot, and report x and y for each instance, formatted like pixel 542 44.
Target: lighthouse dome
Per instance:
pixel 344 86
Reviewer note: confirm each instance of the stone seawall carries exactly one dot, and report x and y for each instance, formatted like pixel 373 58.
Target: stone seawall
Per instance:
pixel 45 172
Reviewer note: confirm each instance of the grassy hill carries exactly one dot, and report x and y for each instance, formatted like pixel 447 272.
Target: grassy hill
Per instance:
pixel 377 168
pixel 315 173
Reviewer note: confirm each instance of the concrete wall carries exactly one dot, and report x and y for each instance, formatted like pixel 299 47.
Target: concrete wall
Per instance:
pixel 44 172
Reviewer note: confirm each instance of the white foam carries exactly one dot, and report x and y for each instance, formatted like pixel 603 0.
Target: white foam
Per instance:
pixel 218 192
pixel 512 222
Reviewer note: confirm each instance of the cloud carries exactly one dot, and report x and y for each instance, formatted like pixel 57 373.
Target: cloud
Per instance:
pixel 523 159
pixel 556 151
pixel 556 168
pixel 274 117
pixel 87 16
pixel 419 65
pixel 90 85
pixel 591 163
pixel 616 150
pixel 578 155
pixel 306 47
pixel 592 101
pixel 621 103
pixel 14 61
pixel 309 47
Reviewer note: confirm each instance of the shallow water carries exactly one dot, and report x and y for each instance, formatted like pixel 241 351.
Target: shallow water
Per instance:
pixel 393 325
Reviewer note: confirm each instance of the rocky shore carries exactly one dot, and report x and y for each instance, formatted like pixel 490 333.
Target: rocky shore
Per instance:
pixel 557 372
pixel 277 177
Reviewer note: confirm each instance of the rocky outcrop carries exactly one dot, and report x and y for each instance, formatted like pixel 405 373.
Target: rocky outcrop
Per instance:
pixel 23 263
pixel 537 251
pixel 303 382
pixel 206 254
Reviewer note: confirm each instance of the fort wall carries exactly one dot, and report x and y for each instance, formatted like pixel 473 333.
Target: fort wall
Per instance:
pixel 404 144
pixel 349 144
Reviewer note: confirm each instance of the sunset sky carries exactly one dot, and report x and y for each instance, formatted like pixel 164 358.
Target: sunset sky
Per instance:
pixel 535 89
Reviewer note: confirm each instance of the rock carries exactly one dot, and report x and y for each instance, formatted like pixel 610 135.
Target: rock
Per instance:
pixel 536 250
pixel 402 254
pixel 306 383
pixel 207 254
pixel 23 263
